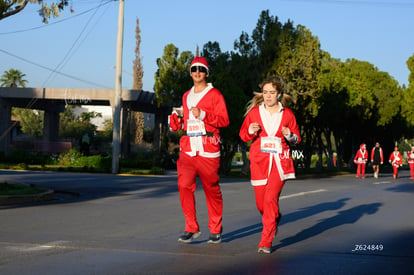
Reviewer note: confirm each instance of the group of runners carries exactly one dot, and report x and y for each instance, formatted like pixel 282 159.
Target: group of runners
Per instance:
pixel 268 124
pixel 270 127
pixel 377 159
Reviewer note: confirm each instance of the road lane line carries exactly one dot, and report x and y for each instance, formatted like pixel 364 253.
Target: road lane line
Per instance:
pixel 302 194
pixel 381 182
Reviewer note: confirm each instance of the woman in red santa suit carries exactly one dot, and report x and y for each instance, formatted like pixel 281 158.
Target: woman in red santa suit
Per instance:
pixel 271 126
pixel 360 160
pixel 396 161
pixel 202 114
pixel 411 161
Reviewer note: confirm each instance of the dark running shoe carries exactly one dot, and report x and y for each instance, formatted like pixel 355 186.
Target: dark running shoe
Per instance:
pixel 188 237
pixel 214 238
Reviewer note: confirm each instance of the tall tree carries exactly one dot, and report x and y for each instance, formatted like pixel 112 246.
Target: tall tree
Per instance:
pixel 13 78
pixel 333 114
pixel 408 99
pixel 12 7
pixel 255 54
pixel 31 121
pixel 172 79
pixel 223 76
pixel 138 71
pixel 358 104
pixel 299 64
pixel 133 122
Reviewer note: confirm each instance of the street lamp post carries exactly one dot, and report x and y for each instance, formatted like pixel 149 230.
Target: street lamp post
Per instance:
pixel 116 108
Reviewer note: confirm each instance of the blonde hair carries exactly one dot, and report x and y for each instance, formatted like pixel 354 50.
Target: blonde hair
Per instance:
pixel 278 84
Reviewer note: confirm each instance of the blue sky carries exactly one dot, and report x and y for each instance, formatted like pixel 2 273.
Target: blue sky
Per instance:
pixel 83 45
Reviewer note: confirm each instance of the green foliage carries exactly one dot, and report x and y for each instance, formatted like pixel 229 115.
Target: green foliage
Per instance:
pixel 13 78
pixel 21 156
pixel 73 158
pixel 408 96
pixel 9 189
pixel 96 161
pixel 172 78
pixel 12 7
pixel 31 121
pixel 70 158
pixel 140 162
pixel 71 126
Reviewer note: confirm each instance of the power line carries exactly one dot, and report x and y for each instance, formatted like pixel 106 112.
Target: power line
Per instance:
pixel 72 49
pixel 60 21
pixel 52 70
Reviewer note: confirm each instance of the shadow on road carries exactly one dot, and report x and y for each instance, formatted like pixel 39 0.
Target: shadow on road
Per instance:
pixel 313 210
pixel 406 187
pixel 348 216
pixel 301 214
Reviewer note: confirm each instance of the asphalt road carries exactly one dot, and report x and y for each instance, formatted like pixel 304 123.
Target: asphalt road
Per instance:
pixel 109 224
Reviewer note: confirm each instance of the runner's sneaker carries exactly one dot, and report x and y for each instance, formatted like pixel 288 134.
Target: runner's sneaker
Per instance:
pixel 264 250
pixel 188 237
pixel 214 238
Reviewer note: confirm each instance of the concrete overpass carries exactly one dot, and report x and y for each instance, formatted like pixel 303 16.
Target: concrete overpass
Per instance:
pixel 53 101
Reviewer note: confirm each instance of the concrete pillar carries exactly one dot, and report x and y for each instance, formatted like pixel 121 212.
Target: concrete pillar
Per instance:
pixel 5 126
pixel 51 124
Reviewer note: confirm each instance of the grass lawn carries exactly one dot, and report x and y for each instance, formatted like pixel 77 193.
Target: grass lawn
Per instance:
pixel 9 189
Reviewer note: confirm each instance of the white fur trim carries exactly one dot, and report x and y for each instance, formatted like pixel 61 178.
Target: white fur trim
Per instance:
pixel 199 64
pixel 258 182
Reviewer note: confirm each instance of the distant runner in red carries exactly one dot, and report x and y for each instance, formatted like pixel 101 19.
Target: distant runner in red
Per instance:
pixel 360 160
pixel 396 161
pixel 271 126
pixel 202 114
pixel 411 162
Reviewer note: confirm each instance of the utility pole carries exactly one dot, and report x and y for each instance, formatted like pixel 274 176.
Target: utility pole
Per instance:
pixel 116 108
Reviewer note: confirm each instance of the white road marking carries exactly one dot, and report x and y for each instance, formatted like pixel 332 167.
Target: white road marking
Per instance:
pixel 381 182
pixel 38 247
pixel 302 194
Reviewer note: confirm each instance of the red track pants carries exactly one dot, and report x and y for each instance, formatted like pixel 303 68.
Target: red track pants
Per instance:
pixel 207 168
pixel 267 202
pixel 395 171
pixel 361 170
pixel 412 170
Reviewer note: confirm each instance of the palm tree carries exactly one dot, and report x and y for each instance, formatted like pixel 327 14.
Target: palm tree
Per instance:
pixel 13 78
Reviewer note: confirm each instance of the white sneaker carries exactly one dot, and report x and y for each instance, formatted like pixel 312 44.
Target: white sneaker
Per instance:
pixel 264 250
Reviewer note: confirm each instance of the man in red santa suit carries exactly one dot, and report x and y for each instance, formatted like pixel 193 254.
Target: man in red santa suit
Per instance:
pixel 271 127
pixel 203 112
pixel 360 160
pixel 396 161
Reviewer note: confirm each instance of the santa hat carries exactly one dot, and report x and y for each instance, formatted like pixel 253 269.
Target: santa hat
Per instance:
pixel 362 145
pixel 200 61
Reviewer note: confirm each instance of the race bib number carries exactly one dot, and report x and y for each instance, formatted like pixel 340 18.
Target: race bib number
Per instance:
pixel 360 160
pixel 195 128
pixel 271 145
